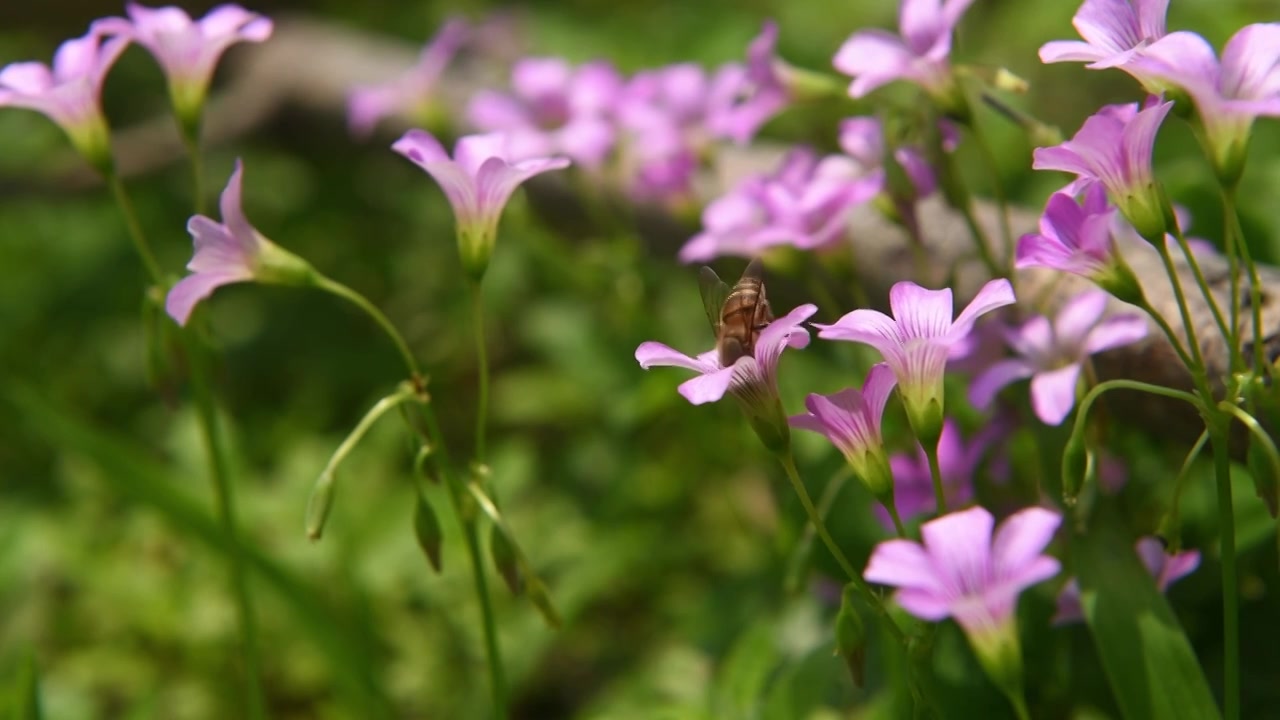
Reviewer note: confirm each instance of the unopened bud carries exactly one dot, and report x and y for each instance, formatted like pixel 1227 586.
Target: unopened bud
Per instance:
pixel 422 466
pixel 504 559
pixel 426 526
pixel 542 601
pixel 319 504
pixel 1075 465
pixel 1005 80
pixel 851 639
pixel 1264 474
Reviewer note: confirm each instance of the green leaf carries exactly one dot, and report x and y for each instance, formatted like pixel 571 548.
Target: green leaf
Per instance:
pixel 1148 660
pixel 743 677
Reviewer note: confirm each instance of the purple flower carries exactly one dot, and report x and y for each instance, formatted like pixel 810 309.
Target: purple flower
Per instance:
pixel 765 91
pixel 1114 148
pixel 188 51
pixel 1073 238
pixel 478 181
pixel 850 419
pixel 751 379
pixel 413 93
pixel 1164 569
pixel 1115 32
pixel 958 461
pixel 554 109
pixel 1052 354
pixel 961 571
pixel 862 138
pixel 806 204
pixel 875 57
pixel 1227 95
pixel 69 92
pixel 230 252
pixel 916 341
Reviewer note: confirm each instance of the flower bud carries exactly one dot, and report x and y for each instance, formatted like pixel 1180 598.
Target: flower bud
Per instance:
pixel 542 601
pixel 851 639
pixel 319 504
pixel 504 559
pixel 426 526
pixel 1075 466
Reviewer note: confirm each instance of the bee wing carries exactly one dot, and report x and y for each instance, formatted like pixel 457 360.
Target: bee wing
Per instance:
pixel 714 293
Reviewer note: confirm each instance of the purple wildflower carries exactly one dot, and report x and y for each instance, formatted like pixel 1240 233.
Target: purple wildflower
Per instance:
pixel 1228 95
pixel 478 181
pixel 1115 33
pixel 413 93
pixel 765 91
pixel 806 204
pixel 230 252
pixel 1052 354
pixel 554 108
pixel 958 461
pixel 69 93
pixel 850 419
pixel 916 341
pixel 1114 148
pixel 188 50
pixel 920 55
pixel 961 571
pixel 1164 569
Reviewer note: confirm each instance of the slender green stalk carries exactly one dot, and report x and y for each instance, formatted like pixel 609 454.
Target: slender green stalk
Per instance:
pixel 935 472
pixel 1197 367
pixel 1231 211
pixel 897 521
pixel 225 495
pixel 855 578
pixel 997 189
pixel 1230 603
pixel 197 170
pixel 482 369
pixel 1174 518
pixel 1227 334
pixel 1259 433
pixel 135 228
pixel 497 676
pixel 372 311
pixel 1174 341
pixel 980 239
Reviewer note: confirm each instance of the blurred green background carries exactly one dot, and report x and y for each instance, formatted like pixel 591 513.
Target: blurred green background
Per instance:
pixel 664 530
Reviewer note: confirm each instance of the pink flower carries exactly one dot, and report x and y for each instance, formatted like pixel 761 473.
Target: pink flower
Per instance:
pixel 413 93
pixel 554 108
pixel 1228 95
pixel 961 571
pixel 1114 148
pixel 765 91
pixel 862 138
pixel 230 252
pixel 806 204
pixel 69 93
pixel 917 340
pixel 1115 33
pixel 1164 569
pixel 188 51
pixel 850 419
pixel 921 55
pixel 958 461
pixel 478 181
pixel 1073 238
pixel 1052 354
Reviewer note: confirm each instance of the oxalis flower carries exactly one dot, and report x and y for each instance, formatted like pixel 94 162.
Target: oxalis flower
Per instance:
pixel 1114 148
pixel 413 93
pixel 230 252
pixel 1164 569
pixel 751 379
pixel 1228 95
pixel 766 89
pixel 1115 33
pixel 1052 354
pixel 917 340
pixel 554 108
pixel 187 50
pixel 920 55
pixel 850 419
pixel 478 181
pixel 69 93
pixel 961 571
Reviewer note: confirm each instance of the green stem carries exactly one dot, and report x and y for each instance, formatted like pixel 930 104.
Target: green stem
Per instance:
pixel 873 600
pixel 1219 436
pixel 482 369
pixel 1209 299
pixel 197 170
pixel 1172 535
pixel 935 472
pixel 1197 368
pixel 346 293
pixel 1169 333
pixel 997 189
pixel 980 239
pixel 497 677
pixel 897 521
pixel 135 228
pixel 224 493
pixel 1231 211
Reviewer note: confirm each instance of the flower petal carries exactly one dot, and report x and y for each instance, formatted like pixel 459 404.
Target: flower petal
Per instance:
pixel 710 387
pixel 902 564
pixel 1116 331
pixel 960 545
pixel 1053 393
pixel 655 354
pixel 983 389
pixel 1077 317
pixel 995 294
pixel 1021 538
pixel 191 289
pixel 920 312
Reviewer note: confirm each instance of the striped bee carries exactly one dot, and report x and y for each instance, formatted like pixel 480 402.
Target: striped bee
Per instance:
pixel 737 314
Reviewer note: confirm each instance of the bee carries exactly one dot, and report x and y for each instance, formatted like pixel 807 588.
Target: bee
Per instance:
pixel 737 314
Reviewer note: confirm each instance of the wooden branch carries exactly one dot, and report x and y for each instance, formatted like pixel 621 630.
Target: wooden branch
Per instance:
pixel 311 64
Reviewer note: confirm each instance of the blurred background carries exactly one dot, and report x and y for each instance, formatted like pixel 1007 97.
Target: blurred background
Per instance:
pixel 665 532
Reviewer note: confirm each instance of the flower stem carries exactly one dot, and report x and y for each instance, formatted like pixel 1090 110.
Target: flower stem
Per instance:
pixel 1197 366
pixel 192 144
pixel 1219 436
pixel 346 293
pixel 935 472
pixel 482 370
pixel 135 228
pixel 1230 210
pixel 215 452
pixel 873 600
pixel 1227 335
pixel 980 239
pixel 997 189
